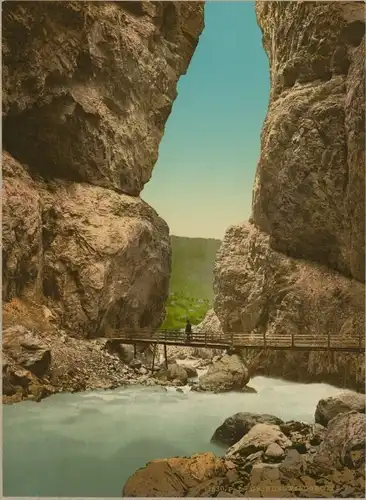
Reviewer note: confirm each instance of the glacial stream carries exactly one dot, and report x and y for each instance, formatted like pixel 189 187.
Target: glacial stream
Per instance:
pixel 88 444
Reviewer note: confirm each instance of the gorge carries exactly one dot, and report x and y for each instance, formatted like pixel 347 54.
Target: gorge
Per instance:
pixel 87 90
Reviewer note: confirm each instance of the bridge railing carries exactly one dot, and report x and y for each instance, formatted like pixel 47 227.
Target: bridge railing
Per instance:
pixel 354 341
pixel 175 336
pixel 195 337
pixel 246 340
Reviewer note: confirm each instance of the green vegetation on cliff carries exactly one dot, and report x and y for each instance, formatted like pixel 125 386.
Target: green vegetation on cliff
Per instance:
pixel 191 280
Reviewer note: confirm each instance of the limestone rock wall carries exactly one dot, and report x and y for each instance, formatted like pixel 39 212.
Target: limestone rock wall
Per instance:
pixel 298 266
pixel 88 86
pixel 87 90
pixel 308 194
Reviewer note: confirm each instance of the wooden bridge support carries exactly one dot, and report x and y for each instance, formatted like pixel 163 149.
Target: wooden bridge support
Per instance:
pixel 166 356
pixel 155 355
pixel 134 350
pixel 153 359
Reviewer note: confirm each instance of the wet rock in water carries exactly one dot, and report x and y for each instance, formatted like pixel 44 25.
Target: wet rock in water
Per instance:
pixel 178 383
pixel 174 373
pixel 259 438
pixel 195 387
pixel 342 403
pixel 227 374
pixel 249 390
pixel 344 443
pixel 236 426
pixel 174 477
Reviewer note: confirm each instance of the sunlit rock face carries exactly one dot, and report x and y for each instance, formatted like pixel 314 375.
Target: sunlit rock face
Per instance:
pixel 298 266
pixel 87 90
pixel 309 188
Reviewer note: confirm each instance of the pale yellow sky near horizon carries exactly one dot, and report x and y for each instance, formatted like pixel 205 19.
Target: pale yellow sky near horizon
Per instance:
pixel 208 221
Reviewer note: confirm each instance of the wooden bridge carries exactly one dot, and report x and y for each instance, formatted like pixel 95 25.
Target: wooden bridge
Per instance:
pixel 351 343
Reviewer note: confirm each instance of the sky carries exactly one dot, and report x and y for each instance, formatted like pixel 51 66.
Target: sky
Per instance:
pixel 202 181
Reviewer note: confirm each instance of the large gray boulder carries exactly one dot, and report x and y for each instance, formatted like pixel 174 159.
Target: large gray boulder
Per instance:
pixel 173 372
pixel 344 443
pixel 236 426
pixel 259 438
pixel 342 403
pixel 227 374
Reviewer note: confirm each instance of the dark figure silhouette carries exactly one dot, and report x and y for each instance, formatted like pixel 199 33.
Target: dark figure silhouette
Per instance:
pixel 188 330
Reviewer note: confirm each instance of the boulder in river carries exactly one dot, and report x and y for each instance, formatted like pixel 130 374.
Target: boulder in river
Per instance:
pixel 259 438
pixel 344 442
pixel 173 477
pixel 342 403
pixel 174 372
pixel 236 426
pixel 226 374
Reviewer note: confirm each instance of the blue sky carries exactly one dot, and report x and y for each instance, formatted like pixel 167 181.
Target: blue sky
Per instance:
pixel 202 182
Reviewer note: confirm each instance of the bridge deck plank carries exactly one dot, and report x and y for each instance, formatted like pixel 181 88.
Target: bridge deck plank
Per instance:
pixel 304 342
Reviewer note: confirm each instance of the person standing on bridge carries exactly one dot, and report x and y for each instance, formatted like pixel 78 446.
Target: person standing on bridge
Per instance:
pixel 188 330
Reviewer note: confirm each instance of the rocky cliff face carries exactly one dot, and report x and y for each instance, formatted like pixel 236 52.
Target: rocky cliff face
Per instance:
pixel 87 89
pixel 308 193
pixel 298 266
